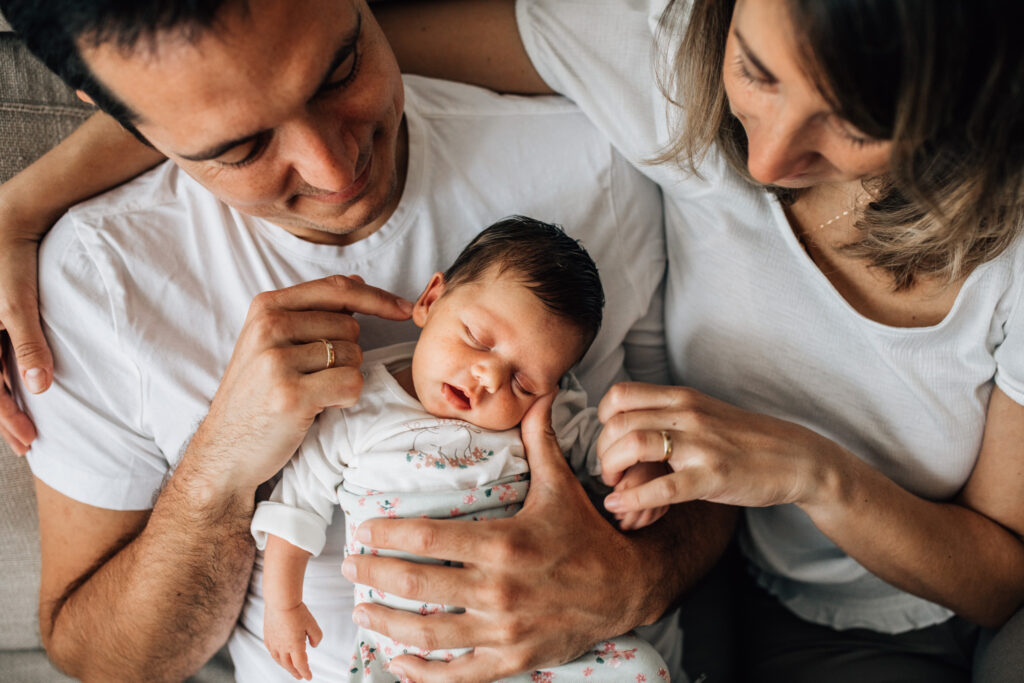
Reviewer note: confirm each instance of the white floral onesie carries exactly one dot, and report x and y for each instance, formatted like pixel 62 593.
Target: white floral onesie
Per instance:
pixel 387 457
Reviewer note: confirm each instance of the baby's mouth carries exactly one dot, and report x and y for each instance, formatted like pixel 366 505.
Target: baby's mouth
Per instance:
pixel 456 397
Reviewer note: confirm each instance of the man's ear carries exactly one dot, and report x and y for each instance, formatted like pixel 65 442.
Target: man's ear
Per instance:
pixel 85 98
pixel 433 292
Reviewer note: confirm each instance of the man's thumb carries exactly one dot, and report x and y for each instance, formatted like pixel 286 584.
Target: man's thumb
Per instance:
pixel 542 449
pixel 35 363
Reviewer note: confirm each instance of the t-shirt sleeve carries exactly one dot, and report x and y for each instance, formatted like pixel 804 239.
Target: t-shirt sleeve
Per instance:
pixel 302 505
pixel 92 445
pixel 599 53
pixel 1009 355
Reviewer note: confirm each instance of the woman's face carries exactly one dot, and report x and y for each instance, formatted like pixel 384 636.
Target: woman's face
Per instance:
pixel 795 138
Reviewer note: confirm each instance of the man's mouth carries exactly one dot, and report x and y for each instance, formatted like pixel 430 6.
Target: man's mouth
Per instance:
pixel 347 194
pixel 456 397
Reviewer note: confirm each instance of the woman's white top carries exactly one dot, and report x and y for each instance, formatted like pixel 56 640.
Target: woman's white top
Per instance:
pixel 751 320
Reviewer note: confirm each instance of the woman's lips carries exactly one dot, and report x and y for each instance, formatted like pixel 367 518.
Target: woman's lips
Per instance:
pixel 455 396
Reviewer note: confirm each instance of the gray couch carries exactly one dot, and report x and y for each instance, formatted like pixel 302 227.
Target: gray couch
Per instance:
pixel 36 111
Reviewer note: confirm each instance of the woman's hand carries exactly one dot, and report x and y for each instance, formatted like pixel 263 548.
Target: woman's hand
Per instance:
pixel 24 348
pixel 719 453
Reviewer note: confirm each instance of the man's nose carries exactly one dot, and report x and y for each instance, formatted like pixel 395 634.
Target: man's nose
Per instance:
pixel 323 158
pixel 778 149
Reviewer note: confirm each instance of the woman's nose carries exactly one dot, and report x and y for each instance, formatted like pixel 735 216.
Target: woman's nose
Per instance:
pixel 778 149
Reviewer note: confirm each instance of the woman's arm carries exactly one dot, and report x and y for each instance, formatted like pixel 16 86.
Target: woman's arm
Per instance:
pixel 966 555
pixel 471 41
pixel 97 156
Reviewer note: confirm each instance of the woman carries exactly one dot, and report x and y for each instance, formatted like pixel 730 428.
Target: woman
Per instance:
pixel 843 197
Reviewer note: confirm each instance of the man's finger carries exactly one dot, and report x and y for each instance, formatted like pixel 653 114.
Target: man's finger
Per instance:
pixel 315 355
pixel 335 387
pixel 31 353
pixel 454 540
pixel 341 294
pixel 412 580
pixel 547 462
pixel 473 667
pixel 444 630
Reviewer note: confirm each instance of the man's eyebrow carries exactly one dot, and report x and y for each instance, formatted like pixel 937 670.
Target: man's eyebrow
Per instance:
pixel 219 149
pixel 752 57
pixel 348 46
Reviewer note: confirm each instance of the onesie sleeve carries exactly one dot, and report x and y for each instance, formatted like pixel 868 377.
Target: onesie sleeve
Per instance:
pixel 302 505
pixel 576 427
pixel 646 354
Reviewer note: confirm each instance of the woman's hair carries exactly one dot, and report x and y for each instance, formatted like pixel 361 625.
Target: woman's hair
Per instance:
pixel 944 81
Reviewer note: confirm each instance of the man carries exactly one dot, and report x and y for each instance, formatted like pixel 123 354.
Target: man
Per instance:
pixel 169 408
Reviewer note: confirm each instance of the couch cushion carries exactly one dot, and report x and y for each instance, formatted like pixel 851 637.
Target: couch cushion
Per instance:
pixel 19 560
pixel 36 109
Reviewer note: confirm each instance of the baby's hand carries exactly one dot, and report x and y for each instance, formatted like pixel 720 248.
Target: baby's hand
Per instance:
pixel 285 632
pixel 635 475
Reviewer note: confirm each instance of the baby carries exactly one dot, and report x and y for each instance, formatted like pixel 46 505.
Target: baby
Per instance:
pixel 435 433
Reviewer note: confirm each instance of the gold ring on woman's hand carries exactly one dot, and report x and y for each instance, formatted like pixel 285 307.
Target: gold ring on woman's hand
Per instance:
pixel 329 347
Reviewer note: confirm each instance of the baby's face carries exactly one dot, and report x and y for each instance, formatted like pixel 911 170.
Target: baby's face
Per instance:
pixel 488 350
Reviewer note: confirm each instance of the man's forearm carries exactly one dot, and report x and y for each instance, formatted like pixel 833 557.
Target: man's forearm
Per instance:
pixel 168 599
pixel 679 550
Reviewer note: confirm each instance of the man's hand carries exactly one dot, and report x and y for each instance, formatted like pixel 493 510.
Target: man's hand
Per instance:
pixel 279 379
pixel 538 588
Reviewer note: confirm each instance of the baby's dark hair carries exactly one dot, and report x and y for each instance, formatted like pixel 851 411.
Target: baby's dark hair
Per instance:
pixel 554 266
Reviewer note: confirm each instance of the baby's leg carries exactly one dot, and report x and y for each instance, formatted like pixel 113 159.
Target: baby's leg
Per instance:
pixel 626 659
pixel 375 650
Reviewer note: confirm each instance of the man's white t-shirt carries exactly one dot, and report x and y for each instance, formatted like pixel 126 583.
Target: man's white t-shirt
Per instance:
pixel 144 291
pixel 751 320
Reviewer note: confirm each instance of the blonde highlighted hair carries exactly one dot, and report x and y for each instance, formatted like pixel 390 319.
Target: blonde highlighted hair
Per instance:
pixel 943 81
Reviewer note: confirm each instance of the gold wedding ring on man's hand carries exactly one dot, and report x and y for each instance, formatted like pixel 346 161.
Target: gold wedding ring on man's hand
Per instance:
pixel 666 440
pixel 329 347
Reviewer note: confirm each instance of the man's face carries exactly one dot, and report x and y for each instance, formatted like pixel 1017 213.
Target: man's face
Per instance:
pixel 291 111
pixel 488 350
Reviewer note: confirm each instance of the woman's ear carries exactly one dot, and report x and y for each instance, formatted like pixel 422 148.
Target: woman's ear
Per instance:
pixel 433 292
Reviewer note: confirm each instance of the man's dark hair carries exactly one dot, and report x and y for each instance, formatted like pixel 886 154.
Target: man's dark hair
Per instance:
pixel 55 31
pixel 552 265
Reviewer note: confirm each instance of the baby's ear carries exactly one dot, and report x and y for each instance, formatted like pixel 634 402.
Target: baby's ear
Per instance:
pixel 434 290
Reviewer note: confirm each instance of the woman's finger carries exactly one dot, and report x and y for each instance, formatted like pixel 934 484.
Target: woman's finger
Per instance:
pixel 677 487
pixel 31 353
pixel 672 419
pixel 632 396
pixel 642 445
pixel 15 427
